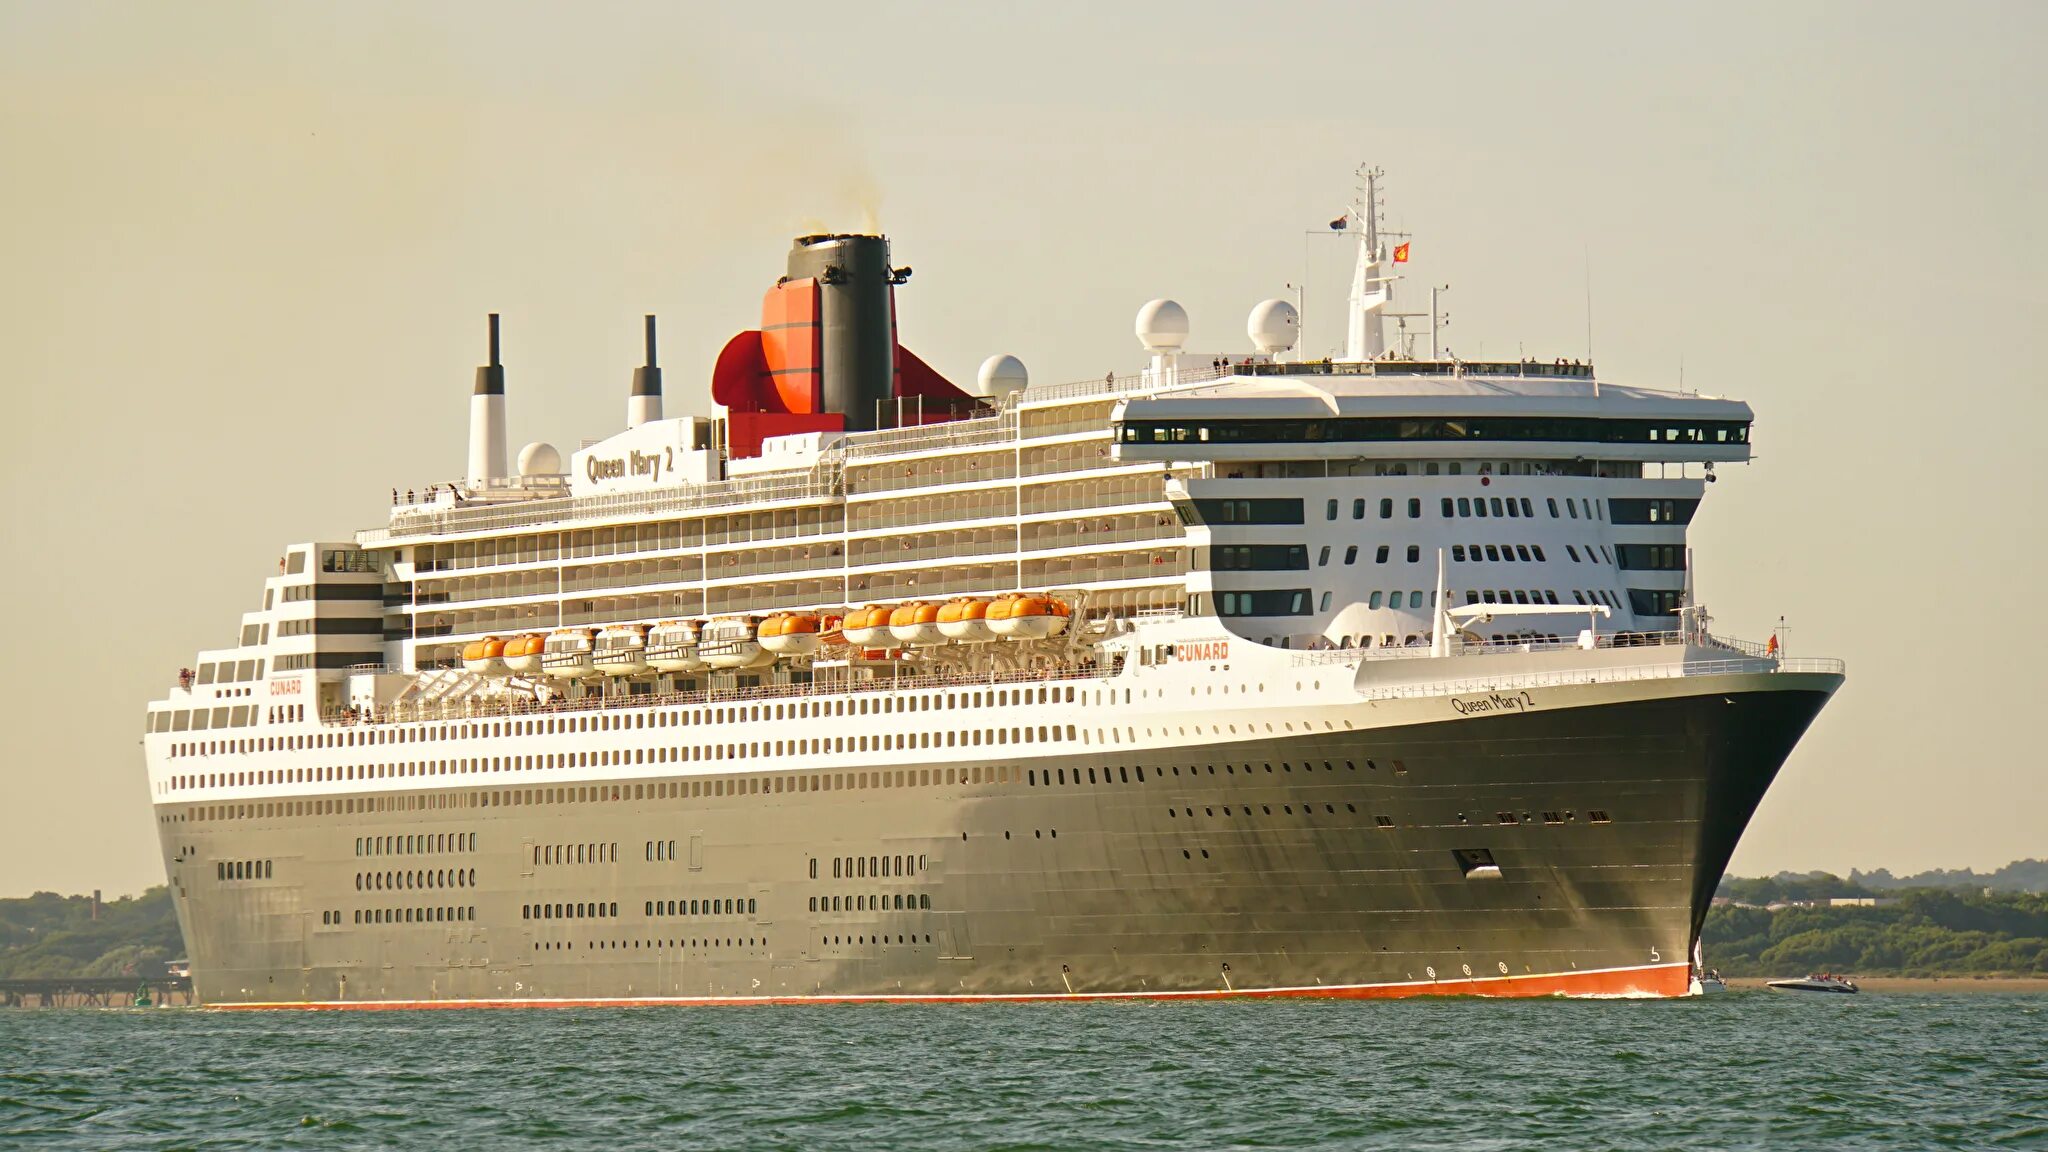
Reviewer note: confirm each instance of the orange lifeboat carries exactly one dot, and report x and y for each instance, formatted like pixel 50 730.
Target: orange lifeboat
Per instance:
pixel 790 633
pixel 965 620
pixel 485 657
pixel 867 627
pixel 522 654
pixel 1028 616
pixel 916 624
pixel 672 647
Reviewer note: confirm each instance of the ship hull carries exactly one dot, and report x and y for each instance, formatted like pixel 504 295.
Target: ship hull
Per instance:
pixel 1569 850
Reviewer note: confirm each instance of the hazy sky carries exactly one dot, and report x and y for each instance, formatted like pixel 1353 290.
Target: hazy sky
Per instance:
pixel 245 252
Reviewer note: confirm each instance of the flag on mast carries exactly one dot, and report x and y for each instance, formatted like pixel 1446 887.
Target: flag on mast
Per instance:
pixel 1401 253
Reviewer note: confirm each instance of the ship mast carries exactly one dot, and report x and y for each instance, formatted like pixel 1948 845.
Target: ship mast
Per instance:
pixel 1371 292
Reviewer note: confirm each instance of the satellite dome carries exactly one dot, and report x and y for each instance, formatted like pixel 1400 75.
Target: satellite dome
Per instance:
pixel 1001 375
pixel 1162 326
pixel 539 459
pixel 1274 326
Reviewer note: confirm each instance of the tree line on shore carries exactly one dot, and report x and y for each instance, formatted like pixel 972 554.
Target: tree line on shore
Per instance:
pixel 1917 932
pixel 47 935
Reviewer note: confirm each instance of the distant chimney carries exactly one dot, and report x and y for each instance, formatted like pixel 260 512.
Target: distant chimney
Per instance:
pixel 95 904
pixel 487 418
pixel 644 402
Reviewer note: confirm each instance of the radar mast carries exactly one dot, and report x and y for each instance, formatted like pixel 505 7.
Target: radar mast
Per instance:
pixel 1371 292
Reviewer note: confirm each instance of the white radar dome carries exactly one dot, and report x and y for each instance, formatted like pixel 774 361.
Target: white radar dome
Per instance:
pixel 1162 326
pixel 1274 326
pixel 539 459
pixel 1001 375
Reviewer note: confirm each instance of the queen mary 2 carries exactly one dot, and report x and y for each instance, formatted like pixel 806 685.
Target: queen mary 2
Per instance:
pixel 1244 674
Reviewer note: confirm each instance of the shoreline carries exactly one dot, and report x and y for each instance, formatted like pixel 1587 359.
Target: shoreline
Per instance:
pixel 1915 983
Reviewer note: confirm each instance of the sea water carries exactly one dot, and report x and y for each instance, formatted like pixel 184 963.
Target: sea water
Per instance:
pixel 1740 1070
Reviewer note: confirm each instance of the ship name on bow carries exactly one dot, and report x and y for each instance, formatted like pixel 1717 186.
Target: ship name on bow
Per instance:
pixel 1493 702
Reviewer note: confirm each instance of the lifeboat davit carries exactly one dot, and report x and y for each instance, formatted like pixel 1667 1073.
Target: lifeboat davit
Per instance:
pixel 790 633
pixel 566 654
pixel 867 627
pixel 965 620
pixel 672 647
pixel 916 624
pixel 485 657
pixel 522 654
pixel 621 650
pixel 831 631
pixel 731 642
pixel 1026 616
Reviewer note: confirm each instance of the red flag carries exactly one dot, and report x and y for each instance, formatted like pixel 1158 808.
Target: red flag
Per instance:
pixel 1400 253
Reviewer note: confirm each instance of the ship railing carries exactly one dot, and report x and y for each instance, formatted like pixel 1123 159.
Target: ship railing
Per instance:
pixel 1400 367
pixel 1541 643
pixel 816 484
pixel 1123 385
pixel 1616 674
pixel 995 429
pixel 479 707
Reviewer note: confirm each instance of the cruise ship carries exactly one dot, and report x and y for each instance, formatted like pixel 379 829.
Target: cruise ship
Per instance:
pixel 1245 674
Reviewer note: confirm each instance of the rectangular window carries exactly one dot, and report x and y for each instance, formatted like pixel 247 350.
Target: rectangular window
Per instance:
pixel 1636 511
pixel 1268 602
pixel 1259 511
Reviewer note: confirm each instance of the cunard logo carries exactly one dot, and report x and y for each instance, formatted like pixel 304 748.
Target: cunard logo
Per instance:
pixel 1203 650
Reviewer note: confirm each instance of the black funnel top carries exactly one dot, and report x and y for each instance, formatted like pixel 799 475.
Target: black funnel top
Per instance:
pixel 490 379
pixel 647 378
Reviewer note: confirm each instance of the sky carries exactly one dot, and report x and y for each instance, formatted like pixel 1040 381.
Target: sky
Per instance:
pixel 246 250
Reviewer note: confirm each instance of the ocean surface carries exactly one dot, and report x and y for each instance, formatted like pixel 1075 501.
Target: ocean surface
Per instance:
pixel 1741 1070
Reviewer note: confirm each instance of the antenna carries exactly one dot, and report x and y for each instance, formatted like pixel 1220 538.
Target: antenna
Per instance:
pixel 1589 303
pixel 1371 292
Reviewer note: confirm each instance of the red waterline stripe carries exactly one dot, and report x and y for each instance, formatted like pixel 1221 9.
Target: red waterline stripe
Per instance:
pixel 1666 980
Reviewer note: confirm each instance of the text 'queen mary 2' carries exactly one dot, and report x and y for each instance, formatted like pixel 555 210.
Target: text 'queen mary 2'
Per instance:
pixel 1246 674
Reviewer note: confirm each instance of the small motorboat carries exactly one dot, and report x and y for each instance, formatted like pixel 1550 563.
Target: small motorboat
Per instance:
pixel 1709 982
pixel 1815 982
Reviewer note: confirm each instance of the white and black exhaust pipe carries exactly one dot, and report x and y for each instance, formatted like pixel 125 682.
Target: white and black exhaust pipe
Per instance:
pixel 644 403
pixel 487 419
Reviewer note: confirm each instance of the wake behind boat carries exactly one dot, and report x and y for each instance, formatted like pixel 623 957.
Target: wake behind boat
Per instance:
pixel 1818 982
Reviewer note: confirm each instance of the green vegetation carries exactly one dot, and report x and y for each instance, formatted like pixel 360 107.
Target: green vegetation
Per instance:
pixel 2018 876
pixel 1922 932
pixel 51 935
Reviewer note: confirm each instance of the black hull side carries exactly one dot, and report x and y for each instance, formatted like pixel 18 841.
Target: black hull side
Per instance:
pixel 1339 859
